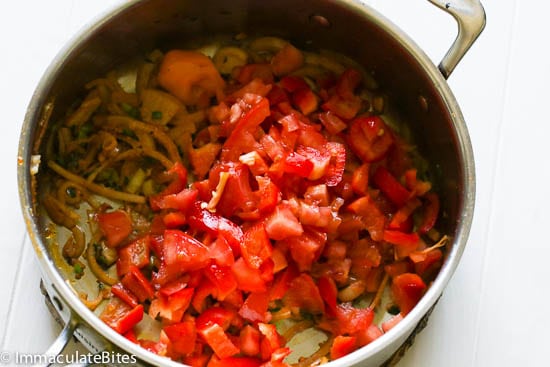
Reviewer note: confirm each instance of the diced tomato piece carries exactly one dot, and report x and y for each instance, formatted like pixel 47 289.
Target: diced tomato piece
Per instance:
pixel 371 216
pixel 414 184
pixel 329 293
pixel 307 248
pixel 283 224
pixel 251 71
pixel 430 213
pixel 287 60
pixel 305 100
pixel 348 81
pixel 292 83
pixel 271 340
pixel 249 341
pixel 121 317
pixel 202 158
pixel 360 180
pixel 218 340
pixel 237 194
pixel 332 123
pixel 397 268
pixel 182 337
pixel 370 138
pixel 341 346
pixel 304 294
pixel 173 306
pixel 405 243
pixel 407 289
pixel 116 226
pixel 431 262
pixel 256 164
pixel 368 335
pixel 222 277
pixel 256 246
pixel 202 292
pixel 282 282
pixel 134 254
pixel 337 164
pixel 296 163
pixel 174 219
pixel 182 200
pixel 221 252
pixel 389 324
pixel 124 294
pixel 319 159
pixel 247 123
pixel 248 279
pixel 217 315
pixel 180 253
pixel 351 319
pixel 402 220
pixel 346 108
pixel 136 282
pixel 255 307
pixel 196 360
pixel 268 194
pixel 277 95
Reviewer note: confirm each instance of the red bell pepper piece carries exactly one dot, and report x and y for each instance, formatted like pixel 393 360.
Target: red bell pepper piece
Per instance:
pixel 138 284
pixel 248 279
pixel 124 294
pixel 217 315
pixel 391 187
pixel 121 317
pixel 329 293
pixel 218 340
pixel 407 289
pixel 249 341
pixel 430 213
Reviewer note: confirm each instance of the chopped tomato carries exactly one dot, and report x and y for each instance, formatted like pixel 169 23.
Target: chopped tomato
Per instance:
pixel 222 278
pixel 202 158
pixel 369 138
pixel 287 60
pixel 256 246
pixel 135 254
pixel 249 341
pixel 248 279
pixel 234 362
pixel 304 294
pixel 407 289
pixel 329 292
pixel 180 252
pixel 341 346
pixel 217 315
pixel 283 224
pixel 182 337
pixel 390 324
pixel 255 308
pixel 430 213
pixel 124 294
pixel 368 335
pixel 116 226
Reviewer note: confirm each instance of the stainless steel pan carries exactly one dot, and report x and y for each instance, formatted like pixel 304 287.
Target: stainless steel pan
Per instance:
pixel 417 89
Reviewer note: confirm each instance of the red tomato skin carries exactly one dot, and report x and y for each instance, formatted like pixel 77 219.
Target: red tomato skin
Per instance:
pixel 216 314
pixel 218 340
pixel 255 308
pixel 121 317
pixel 138 284
pixel 124 294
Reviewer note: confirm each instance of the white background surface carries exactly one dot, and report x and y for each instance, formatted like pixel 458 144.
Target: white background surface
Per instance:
pixel 495 310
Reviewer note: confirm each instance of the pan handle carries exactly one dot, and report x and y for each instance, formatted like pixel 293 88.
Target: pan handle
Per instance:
pixel 470 16
pixel 62 340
